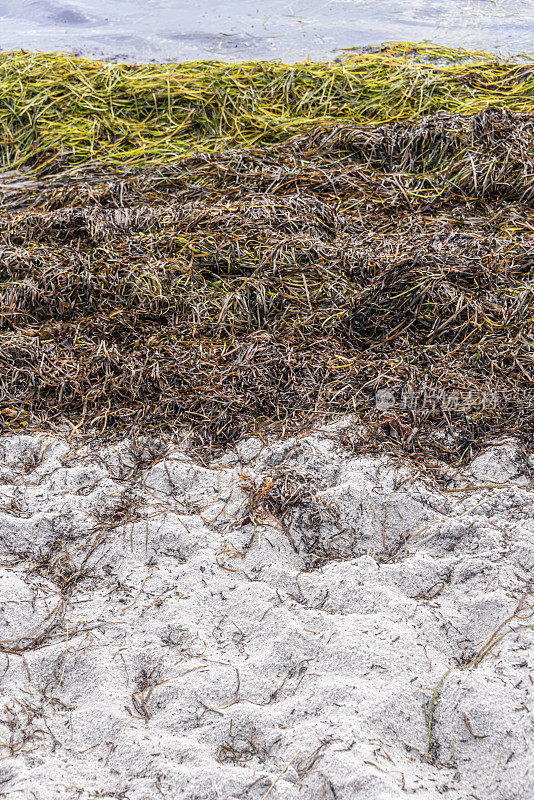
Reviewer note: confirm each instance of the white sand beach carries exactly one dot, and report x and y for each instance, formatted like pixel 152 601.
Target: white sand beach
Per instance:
pixel 291 621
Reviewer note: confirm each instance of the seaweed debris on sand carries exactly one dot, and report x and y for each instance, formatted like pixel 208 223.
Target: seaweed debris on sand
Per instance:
pixel 278 284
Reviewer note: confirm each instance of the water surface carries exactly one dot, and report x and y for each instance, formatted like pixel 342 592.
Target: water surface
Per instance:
pixel 233 30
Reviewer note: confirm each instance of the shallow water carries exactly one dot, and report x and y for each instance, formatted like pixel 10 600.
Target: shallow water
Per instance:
pixel 291 30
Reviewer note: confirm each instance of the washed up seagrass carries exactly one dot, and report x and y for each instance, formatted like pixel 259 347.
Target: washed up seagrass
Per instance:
pixel 229 292
pixel 60 112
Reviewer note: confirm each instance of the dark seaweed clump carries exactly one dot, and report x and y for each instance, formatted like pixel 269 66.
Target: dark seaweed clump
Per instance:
pixel 278 285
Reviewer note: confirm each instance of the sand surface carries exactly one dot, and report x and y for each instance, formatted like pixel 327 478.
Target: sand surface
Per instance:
pixel 273 624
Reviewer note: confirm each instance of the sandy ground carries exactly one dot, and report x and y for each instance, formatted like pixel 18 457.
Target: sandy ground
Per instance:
pixel 276 624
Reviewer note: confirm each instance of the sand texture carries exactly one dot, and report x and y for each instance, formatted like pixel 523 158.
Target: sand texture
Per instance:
pixel 274 624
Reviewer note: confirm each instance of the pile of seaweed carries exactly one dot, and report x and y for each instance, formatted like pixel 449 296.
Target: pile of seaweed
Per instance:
pixel 231 292
pixel 58 111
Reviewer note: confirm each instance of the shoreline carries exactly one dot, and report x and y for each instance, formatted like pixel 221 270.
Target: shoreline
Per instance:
pixel 295 31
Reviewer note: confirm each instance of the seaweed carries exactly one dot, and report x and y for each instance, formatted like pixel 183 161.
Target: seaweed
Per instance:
pixel 271 286
pixel 60 110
